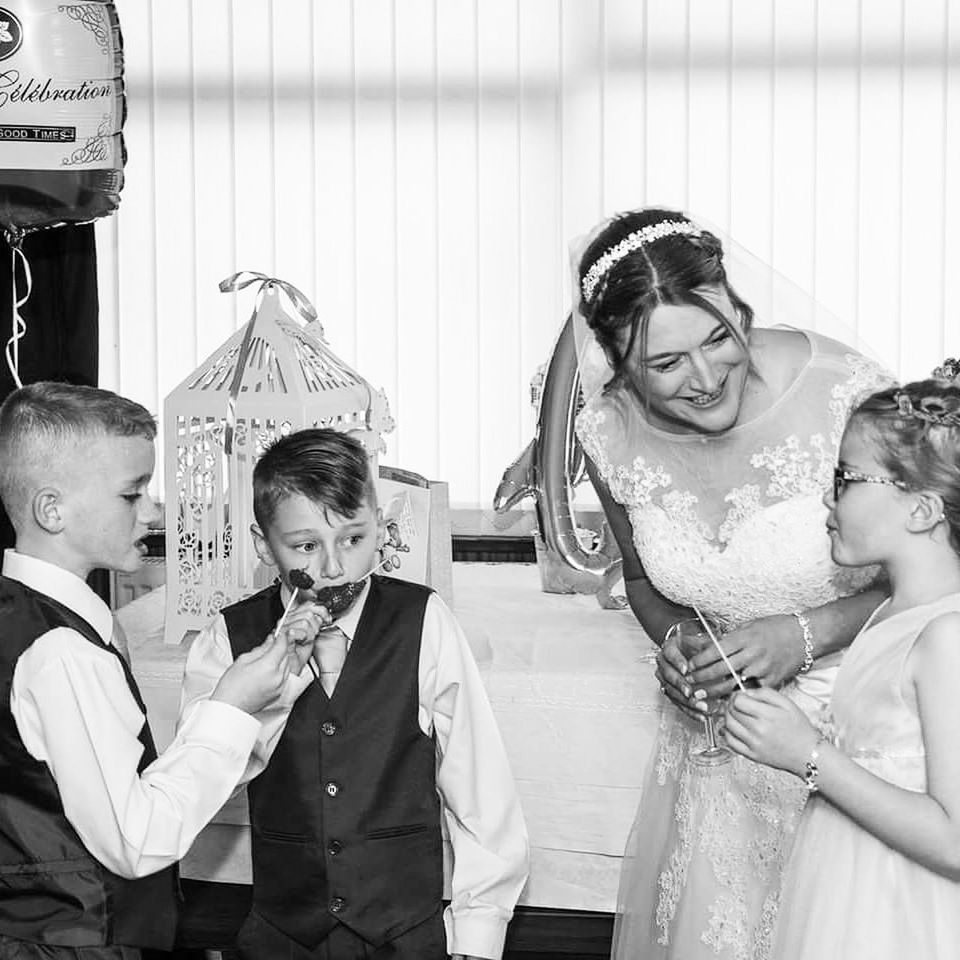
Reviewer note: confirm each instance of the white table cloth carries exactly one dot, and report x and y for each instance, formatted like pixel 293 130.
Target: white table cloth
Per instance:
pixel 573 690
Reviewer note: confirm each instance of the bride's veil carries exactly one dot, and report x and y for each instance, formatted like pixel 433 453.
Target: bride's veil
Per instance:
pixel 775 299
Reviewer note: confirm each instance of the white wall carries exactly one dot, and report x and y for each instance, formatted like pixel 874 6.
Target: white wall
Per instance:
pixel 417 168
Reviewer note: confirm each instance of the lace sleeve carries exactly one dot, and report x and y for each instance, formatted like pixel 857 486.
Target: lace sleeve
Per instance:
pixel 866 377
pixel 592 430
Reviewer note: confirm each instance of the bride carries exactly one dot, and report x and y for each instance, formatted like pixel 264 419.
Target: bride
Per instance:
pixel 710 445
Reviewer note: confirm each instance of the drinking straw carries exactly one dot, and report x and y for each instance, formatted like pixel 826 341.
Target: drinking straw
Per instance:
pixel 716 643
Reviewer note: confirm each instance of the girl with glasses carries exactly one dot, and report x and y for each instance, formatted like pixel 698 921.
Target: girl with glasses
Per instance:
pixel 875 870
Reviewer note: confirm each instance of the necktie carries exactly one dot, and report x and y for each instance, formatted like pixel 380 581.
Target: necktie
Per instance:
pixel 331 650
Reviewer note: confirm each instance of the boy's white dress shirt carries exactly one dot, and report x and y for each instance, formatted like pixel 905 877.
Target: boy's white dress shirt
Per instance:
pixel 75 713
pixel 480 805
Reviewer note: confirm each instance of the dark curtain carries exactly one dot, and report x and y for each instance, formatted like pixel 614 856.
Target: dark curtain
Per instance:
pixel 61 314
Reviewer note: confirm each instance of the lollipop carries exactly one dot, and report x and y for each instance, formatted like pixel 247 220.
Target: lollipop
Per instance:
pixel 335 599
pixel 339 598
pixel 300 580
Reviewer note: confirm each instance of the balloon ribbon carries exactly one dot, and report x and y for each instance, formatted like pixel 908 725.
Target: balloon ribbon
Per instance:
pixel 18 324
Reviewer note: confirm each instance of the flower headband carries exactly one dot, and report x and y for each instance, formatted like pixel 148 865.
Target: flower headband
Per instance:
pixel 634 241
pixel 948 370
pixel 932 412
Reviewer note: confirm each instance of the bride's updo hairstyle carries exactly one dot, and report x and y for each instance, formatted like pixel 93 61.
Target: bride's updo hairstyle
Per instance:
pixel 643 259
pixel 916 429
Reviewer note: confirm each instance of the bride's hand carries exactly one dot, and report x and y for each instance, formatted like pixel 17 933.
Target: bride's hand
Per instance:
pixel 768 651
pixel 673 673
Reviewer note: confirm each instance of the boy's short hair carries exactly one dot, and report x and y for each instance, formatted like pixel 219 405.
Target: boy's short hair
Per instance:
pixel 40 422
pixel 326 466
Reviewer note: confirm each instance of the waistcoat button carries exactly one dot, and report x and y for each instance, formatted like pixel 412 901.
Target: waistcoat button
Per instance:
pixel 337 904
pixel 334 847
pixel 332 788
pixel 328 728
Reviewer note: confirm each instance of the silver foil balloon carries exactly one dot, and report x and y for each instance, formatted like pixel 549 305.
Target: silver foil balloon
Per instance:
pixel 548 470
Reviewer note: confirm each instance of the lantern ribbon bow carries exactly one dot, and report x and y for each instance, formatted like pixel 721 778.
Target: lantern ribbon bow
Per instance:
pixel 232 284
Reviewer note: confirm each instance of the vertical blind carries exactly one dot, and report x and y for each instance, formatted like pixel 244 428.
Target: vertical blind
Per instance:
pixel 419 167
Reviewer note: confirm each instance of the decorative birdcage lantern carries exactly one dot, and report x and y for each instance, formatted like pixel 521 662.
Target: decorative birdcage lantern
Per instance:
pixel 275 375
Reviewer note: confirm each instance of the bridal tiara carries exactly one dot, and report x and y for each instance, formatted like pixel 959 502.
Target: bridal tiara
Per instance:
pixel 634 241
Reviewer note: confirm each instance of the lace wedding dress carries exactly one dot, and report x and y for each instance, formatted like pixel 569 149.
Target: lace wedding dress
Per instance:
pixel 732 523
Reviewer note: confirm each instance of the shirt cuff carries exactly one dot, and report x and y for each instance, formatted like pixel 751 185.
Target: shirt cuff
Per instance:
pixel 222 725
pixel 475 934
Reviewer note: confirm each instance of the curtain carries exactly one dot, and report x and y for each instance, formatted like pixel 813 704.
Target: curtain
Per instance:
pixel 60 314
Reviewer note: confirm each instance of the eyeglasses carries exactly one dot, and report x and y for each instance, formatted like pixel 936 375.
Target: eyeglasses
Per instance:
pixel 841 477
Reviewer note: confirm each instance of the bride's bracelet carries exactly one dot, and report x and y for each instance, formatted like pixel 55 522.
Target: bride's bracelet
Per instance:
pixel 804 622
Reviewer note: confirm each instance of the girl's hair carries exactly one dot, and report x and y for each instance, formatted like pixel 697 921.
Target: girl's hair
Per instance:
pixel 326 466
pixel 667 259
pixel 916 429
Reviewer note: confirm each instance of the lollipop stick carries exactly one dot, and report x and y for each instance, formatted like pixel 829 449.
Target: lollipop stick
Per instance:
pixel 290 602
pixel 374 568
pixel 716 643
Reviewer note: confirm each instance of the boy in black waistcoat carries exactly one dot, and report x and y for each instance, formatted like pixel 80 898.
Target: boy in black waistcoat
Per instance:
pixel 92 822
pixel 365 768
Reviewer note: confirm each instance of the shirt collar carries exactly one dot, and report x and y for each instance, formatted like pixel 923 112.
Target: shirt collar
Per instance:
pixel 60 585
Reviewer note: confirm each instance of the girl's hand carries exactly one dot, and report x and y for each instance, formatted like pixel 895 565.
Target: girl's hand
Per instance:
pixel 768 650
pixel 765 726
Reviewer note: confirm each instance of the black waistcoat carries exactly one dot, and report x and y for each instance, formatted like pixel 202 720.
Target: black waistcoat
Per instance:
pixel 52 890
pixel 346 819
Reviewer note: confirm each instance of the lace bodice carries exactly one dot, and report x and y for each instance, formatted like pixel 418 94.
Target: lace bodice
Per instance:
pixel 734 523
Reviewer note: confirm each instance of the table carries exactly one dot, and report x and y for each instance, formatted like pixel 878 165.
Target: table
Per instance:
pixel 572 688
